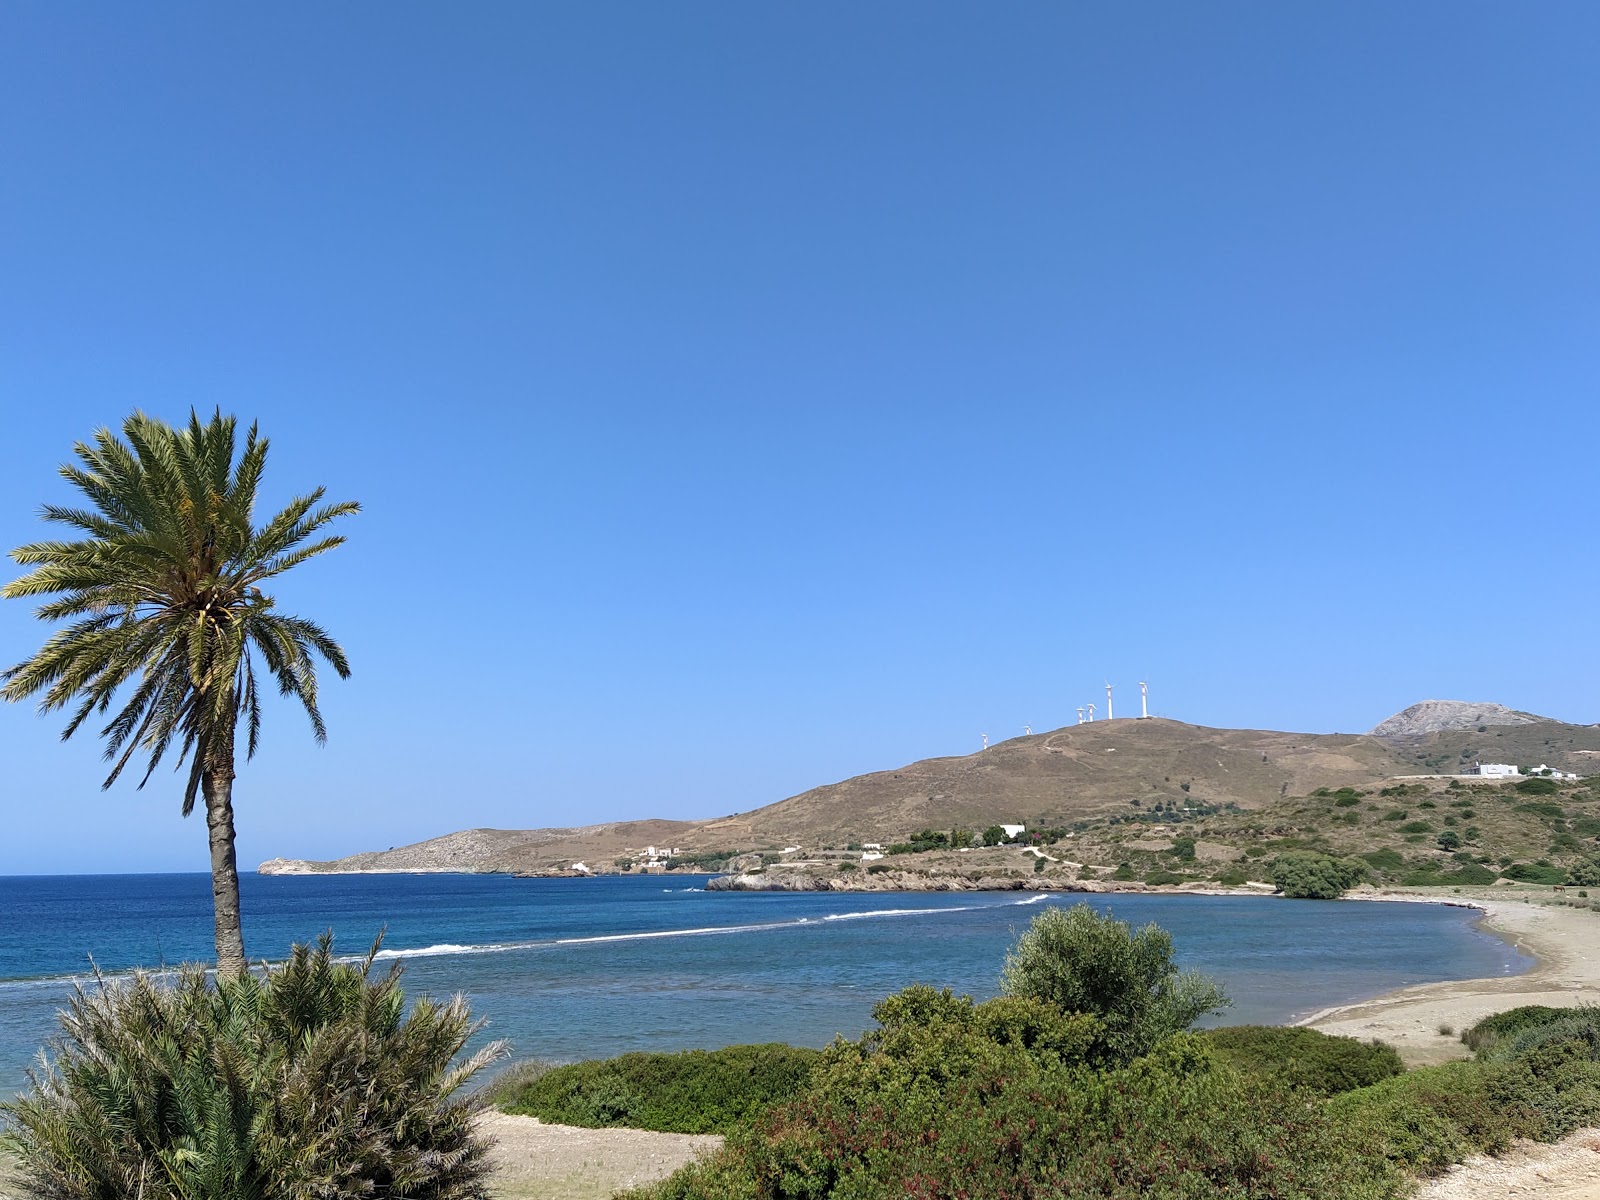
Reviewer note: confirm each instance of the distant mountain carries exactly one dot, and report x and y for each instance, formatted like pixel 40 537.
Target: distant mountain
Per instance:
pixel 1081 772
pixel 1438 716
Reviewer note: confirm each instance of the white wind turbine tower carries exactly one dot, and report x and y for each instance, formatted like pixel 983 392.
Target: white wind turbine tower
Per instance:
pixel 986 741
pixel 1108 700
pixel 1027 731
pixel 1080 714
pixel 1090 707
pixel 1144 699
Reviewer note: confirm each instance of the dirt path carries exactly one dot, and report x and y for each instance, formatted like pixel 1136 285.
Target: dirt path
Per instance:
pixel 559 1162
pixel 1568 1170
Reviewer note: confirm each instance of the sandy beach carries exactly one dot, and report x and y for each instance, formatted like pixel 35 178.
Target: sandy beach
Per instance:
pixel 1564 941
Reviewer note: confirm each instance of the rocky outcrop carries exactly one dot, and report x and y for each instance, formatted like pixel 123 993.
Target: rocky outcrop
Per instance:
pixel 1436 716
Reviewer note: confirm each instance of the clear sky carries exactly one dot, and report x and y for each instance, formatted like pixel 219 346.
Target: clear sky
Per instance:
pixel 744 396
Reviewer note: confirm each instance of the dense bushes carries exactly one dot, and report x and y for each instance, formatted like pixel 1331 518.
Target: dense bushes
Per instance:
pixel 1537 1075
pixel 699 1091
pixel 1535 873
pixel 1311 876
pixel 308 1080
pixel 1304 1058
pixel 1427 1119
pixel 953 1099
pixel 1488 1032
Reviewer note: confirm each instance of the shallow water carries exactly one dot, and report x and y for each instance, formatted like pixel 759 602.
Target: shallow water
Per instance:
pixel 571 968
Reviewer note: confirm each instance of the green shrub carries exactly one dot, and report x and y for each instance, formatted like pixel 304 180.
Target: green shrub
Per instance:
pixel 1162 878
pixel 1304 1058
pixel 1385 859
pixel 1431 1118
pixel 1311 876
pixel 1553 812
pixel 1537 786
pixel 698 1091
pixel 1466 876
pixel 1533 873
pixel 1173 1125
pixel 1123 873
pixel 1082 962
pixel 1416 827
pixel 1584 873
pixel 1232 877
pixel 310 1079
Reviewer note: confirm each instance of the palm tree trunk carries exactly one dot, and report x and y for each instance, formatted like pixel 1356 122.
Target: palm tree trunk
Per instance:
pixel 216 785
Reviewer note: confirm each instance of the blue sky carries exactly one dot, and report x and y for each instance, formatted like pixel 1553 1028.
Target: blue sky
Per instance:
pixel 746 396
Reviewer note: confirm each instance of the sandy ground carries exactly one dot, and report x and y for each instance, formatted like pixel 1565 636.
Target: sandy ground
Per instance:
pixel 558 1162
pixel 1569 1170
pixel 1565 941
pixel 554 1162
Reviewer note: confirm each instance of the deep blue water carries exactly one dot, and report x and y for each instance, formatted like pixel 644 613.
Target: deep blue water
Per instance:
pixel 572 968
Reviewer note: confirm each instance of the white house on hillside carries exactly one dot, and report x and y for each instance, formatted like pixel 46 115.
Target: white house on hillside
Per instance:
pixel 1502 770
pixel 1012 831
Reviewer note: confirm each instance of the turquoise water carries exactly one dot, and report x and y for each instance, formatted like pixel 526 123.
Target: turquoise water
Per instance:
pixel 571 968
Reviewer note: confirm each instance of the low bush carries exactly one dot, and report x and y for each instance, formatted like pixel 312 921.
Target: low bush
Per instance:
pixel 1304 1058
pixel 311 1079
pixel 994 1121
pixel 1538 785
pixel 1384 860
pixel 1534 873
pixel 1553 812
pixel 1431 1118
pixel 697 1091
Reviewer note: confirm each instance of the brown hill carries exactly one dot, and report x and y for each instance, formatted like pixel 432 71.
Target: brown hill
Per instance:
pixel 1073 774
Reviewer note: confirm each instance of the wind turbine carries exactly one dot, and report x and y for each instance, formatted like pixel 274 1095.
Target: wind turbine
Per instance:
pixel 1090 707
pixel 986 741
pixel 1144 699
pixel 1027 731
pixel 1080 714
pixel 1108 700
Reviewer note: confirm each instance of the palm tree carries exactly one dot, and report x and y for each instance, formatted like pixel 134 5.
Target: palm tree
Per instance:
pixel 168 617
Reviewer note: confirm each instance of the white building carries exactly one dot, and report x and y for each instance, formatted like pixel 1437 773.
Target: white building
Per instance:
pixel 1552 773
pixel 869 855
pixel 1012 831
pixel 1501 770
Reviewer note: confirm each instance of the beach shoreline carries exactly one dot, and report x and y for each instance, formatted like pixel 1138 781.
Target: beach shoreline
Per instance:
pixel 1563 941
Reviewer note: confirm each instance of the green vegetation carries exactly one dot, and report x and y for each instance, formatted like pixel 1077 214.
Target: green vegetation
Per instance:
pixel 699 1091
pixel 928 839
pixel 165 600
pixel 1537 786
pixel 1081 962
pixel 705 860
pixel 312 1079
pixel 1304 1058
pixel 1488 1033
pixel 1309 876
pixel 950 1098
pixel 1537 1075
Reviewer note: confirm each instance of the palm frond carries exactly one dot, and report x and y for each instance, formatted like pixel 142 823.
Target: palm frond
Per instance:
pixel 162 595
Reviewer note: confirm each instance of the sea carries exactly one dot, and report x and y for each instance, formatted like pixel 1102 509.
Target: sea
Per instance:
pixel 564 969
